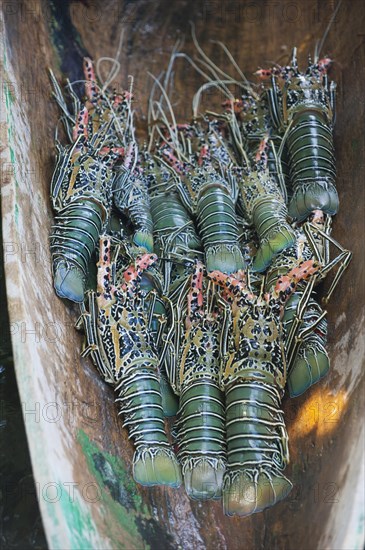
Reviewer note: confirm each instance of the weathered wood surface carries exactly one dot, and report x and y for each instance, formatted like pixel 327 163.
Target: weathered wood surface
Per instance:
pixel 80 454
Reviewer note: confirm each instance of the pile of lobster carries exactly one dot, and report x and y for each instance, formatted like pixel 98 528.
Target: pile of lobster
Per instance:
pixel 208 244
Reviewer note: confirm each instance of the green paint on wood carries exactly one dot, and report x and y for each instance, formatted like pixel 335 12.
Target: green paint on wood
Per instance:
pixel 79 521
pixel 119 495
pixel 125 514
pixel 9 100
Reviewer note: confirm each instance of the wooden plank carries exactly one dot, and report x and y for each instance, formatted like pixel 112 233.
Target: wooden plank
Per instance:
pixel 80 454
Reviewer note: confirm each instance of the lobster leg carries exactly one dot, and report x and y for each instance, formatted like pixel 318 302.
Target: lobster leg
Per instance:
pixel 343 259
pixel 91 346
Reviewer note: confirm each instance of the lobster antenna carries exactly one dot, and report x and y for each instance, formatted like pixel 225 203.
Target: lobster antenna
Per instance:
pixel 130 126
pixel 193 64
pixel 158 129
pixel 175 178
pixel 237 136
pixel 152 117
pixel 294 60
pixel 129 123
pixel 57 94
pixel 277 159
pixel 167 78
pixel 319 45
pixel 75 98
pixel 134 142
pixel 206 86
pixel 212 68
pixel 247 84
pixel 113 73
pixel 204 75
pixel 207 59
pixel 182 137
pixel 115 68
pixel 172 131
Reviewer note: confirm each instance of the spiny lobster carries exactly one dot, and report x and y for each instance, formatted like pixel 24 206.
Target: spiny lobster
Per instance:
pixel 253 377
pixel 81 187
pixel 119 340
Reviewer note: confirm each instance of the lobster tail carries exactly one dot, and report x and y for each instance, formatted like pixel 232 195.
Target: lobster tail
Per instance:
pixel 201 436
pixel 311 365
pixel 139 399
pixel 257 449
pixel 265 207
pixel 131 198
pixel 217 223
pixel 312 166
pixel 275 234
pixel 169 216
pixel 73 241
pixel 313 195
pixel 253 490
